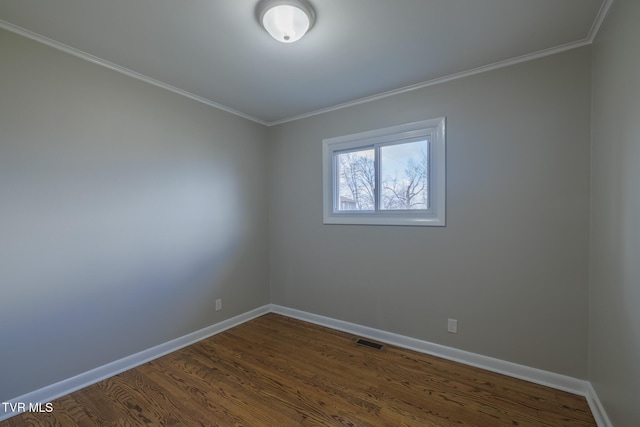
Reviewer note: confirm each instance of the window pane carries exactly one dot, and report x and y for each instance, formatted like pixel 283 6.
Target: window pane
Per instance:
pixel 356 181
pixel 404 180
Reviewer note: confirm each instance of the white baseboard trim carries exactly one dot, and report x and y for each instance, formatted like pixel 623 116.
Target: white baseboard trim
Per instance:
pixel 538 376
pixel 597 409
pixel 85 379
pixel 534 375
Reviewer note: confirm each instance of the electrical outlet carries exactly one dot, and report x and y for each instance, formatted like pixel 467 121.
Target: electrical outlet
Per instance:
pixel 452 326
pixel 218 304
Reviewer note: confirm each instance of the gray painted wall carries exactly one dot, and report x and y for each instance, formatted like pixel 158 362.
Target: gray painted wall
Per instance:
pixel 614 350
pixel 512 263
pixel 126 210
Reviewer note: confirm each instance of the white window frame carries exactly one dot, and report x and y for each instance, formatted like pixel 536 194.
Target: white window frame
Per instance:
pixel 434 129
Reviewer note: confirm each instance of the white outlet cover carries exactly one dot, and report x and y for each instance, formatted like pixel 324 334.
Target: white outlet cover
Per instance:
pixel 452 326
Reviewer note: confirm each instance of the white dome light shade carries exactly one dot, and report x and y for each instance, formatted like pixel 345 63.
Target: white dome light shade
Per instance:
pixel 286 21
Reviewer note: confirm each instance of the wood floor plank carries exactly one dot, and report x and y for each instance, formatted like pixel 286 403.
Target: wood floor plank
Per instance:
pixel 278 371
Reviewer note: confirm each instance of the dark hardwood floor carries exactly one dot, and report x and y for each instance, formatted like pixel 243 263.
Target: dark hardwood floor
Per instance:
pixel 278 371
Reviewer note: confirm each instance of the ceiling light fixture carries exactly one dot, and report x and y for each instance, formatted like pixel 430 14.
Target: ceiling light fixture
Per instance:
pixel 286 20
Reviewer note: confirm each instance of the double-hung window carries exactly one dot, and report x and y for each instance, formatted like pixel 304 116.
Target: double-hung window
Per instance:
pixel 390 176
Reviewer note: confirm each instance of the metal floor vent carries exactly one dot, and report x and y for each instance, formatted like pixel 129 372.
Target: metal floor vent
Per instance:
pixel 367 343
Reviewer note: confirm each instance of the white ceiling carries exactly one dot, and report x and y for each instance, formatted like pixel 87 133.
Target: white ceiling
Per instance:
pixel 216 52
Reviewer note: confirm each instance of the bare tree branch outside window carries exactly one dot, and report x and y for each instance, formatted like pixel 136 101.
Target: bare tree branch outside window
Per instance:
pixel 357 180
pixel 404 178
